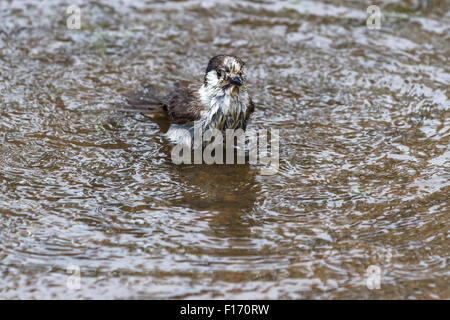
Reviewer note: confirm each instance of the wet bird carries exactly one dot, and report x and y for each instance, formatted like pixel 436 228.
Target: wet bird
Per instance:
pixel 220 101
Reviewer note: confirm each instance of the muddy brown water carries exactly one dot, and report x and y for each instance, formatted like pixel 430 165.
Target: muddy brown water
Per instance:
pixel 364 176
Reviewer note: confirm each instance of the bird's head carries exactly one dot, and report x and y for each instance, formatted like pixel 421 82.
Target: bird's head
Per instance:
pixel 225 71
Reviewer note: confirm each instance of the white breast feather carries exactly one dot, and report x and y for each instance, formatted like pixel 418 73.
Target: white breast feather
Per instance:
pixel 223 107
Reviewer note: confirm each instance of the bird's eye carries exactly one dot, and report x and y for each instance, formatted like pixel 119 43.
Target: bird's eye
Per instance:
pixel 219 74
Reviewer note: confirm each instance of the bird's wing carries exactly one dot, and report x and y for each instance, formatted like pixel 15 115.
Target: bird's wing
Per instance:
pixel 251 107
pixel 183 106
pixel 248 113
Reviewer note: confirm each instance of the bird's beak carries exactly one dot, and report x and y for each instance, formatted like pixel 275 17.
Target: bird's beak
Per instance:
pixel 236 81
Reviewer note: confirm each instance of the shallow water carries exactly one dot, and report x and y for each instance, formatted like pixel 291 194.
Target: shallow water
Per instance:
pixel 364 174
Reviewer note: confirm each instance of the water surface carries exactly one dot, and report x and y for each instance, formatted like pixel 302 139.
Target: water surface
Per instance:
pixel 364 174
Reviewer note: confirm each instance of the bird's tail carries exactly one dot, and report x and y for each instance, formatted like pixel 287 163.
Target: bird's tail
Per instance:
pixel 149 98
